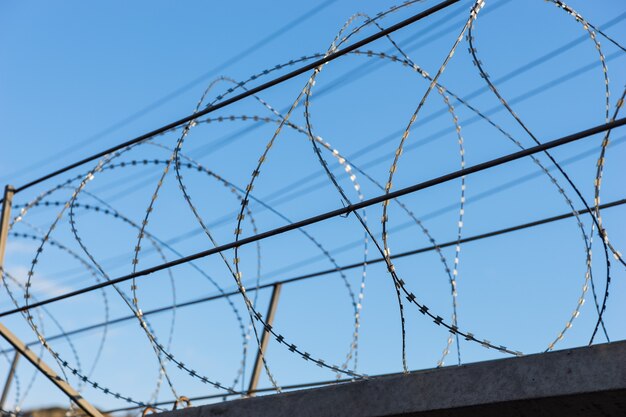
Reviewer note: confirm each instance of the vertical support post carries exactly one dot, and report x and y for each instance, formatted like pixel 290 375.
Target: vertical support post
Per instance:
pixel 258 363
pixel 5 216
pixel 7 385
pixel 19 346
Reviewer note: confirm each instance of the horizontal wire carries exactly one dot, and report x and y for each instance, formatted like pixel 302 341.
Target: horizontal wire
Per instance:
pixel 335 213
pixel 328 58
pixel 316 274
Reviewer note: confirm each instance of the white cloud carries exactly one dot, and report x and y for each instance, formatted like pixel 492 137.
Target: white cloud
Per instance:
pixel 18 247
pixel 41 286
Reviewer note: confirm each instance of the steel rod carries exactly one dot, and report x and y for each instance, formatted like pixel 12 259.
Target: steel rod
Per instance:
pixel 323 272
pixel 258 363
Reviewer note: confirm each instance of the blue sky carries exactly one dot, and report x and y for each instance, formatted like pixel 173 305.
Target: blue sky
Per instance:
pixel 77 78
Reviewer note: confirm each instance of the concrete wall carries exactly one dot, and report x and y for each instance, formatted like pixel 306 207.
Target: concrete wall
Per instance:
pixel 589 381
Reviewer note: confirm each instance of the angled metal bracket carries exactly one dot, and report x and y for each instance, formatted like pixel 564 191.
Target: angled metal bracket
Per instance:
pixel 258 363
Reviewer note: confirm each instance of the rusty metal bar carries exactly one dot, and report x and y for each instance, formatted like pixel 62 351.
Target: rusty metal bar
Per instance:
pixel 258 363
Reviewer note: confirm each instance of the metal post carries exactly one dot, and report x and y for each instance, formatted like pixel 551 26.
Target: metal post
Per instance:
pixel 19 346
pixel 5 216
pixel 7 385
pixel 258 363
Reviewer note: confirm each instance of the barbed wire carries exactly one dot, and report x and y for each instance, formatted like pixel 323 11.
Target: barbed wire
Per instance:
pixel 350 173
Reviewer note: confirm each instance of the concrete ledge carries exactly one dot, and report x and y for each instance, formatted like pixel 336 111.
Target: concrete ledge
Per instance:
pixel 585 382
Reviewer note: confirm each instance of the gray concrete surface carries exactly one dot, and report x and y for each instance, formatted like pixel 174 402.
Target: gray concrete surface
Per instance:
pixel 589 382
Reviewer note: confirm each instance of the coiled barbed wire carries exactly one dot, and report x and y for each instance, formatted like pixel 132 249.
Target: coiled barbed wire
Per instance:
pixel 244 195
